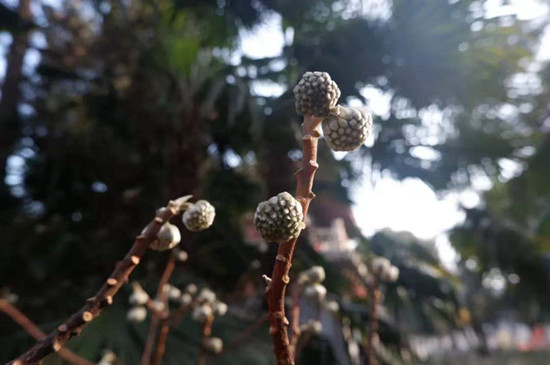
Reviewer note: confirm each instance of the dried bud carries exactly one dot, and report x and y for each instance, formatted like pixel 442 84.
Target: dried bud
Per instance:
pixel 348 129
pixel 316 94
pixel 280 218
pixel 201 313
pixel 137 314
pixel 199 216
pixel 213 344
pixel 168 237
pixel 316 292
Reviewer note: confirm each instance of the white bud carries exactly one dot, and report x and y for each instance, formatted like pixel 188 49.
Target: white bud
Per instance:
pixel 158 305
pixel 206 296
pixel 181 256
pixel 379 264
pixel 199 216
pixel 108 358
pixel 138 297
pixel 191 289
pixel 317 274
pixel 332 306
pixel 137 314
pixel 213 344
pixel 201 313
pixel 168 237
pixel 315 291
pixel 315 326
pixel 220 308
pixel 174 293
pixel 186 299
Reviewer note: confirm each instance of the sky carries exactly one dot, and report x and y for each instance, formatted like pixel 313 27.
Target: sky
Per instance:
pixel 408 205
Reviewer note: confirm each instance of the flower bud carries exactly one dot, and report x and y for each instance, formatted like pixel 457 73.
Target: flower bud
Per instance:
pixel 316 94
pixel 168 237
pixel 138 296
pixel 137 314
pixel 279 219
pixel 201 313
pixel 199 216
pixel 220 308
pixel 316 292
pixel 347 130
pixel 213 344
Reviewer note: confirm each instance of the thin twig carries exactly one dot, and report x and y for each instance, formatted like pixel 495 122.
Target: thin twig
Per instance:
pixel 206 332
pixel 295 317
pixel 281 269
pixel 104 297
pixel 21 319
pixel 373 330
pixel 157 321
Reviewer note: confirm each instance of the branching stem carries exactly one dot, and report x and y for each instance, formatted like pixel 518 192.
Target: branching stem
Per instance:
pixel 283 261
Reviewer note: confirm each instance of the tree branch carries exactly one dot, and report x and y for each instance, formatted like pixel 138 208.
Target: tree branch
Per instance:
pixel 283 261
pixel 206 331
pixel 104 297
pixel 373 330
pixel 21 319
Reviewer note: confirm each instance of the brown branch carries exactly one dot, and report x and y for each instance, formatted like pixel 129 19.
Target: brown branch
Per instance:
pixel 295 317
pixel 373 330
pixel 283 261
pixel 21 319
pixel 157 321
pixel 104 297
pixel 206 332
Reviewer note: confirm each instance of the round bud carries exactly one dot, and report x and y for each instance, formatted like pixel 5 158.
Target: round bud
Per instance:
pixel 317 274
pixel 316 94
pixel 347 129
pixel 201 313
pixel 206 296
pixel 316 292
pixel 199 216
pixel 181 256
pixel 390 274
pixel 138 296
pixel 186 299
pixel 379 265
pixel 213 344
pixel 158 305
pixel 332 306
pixel 220 308
pixel 137 314
pixel 191 288
pixel 279 219
pixel 168 237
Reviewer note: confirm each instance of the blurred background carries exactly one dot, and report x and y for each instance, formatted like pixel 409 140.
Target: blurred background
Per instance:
pixel 111 107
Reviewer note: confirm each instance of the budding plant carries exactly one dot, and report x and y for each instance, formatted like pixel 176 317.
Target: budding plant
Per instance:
pixel 158 235
pixel 281 218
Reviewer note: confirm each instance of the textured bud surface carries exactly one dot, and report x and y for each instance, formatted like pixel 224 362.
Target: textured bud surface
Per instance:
pixel 316 94
pixel 168 237
pixel 348 129
pixel 199 216
pixel 279 219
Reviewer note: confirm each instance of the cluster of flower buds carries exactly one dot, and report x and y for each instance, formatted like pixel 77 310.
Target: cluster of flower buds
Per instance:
pixel 138 299
pixel 311 280
pixel 197 217
pixel 345 129
pixel 280 218
pixel 384 270
pixel 206 305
